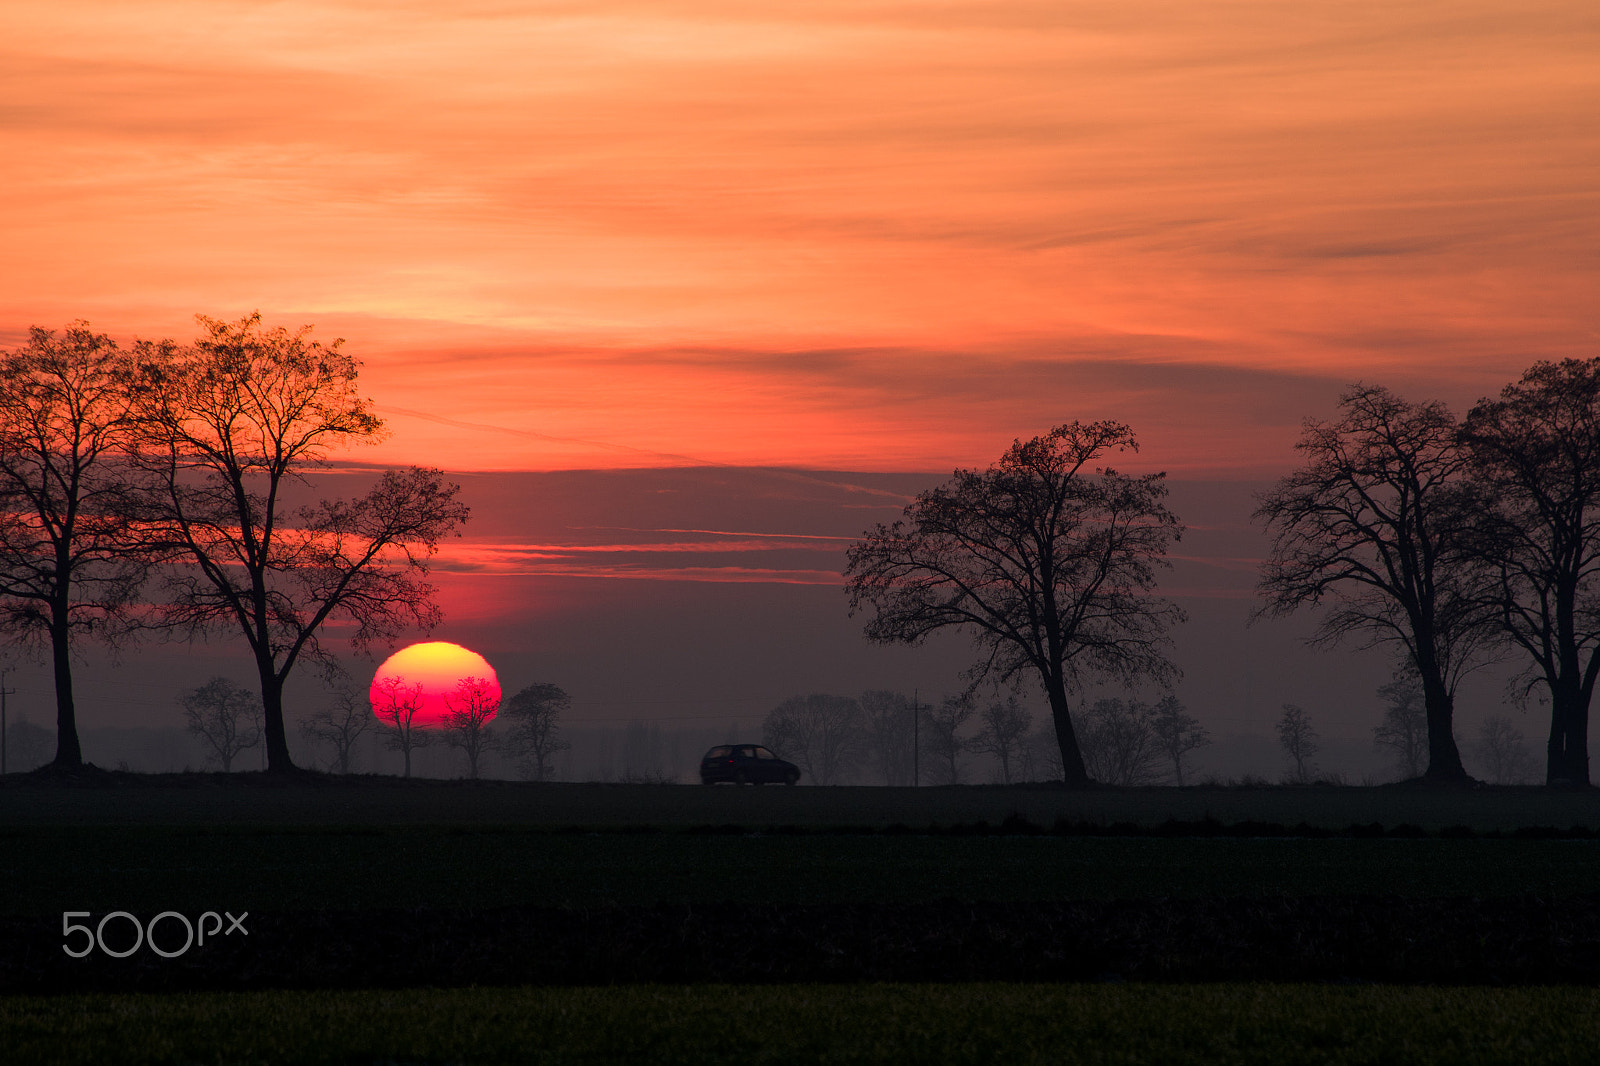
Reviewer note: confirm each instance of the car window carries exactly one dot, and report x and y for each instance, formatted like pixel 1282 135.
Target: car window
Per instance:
pixel 747 753
pixel 763 753
pixel 718 753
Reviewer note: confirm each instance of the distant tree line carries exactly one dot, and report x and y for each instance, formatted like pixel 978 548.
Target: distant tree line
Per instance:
pixel 148 490
pixel 895 739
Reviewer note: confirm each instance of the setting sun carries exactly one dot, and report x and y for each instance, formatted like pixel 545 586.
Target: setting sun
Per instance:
pixel 439 668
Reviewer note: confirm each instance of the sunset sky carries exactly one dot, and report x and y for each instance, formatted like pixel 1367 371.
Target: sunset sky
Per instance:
pixel 848 236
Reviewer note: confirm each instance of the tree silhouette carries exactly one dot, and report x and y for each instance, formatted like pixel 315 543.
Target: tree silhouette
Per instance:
pixel 68 562
pixel 28 745
pixel 469 710
pixel 1177 733
pixel 1002 732
pixel 1299 740
pixel 1536 459
pixel 1501 750
pixel 339 726
pixel 1119 741
pixel 396 707
pixel 225 717
pixel 1404 729
pixel 887 734
pixel 535 716
pixel 227 427
pixel 1046 565
pixel 820 733
pixel 942 739
pixel 1373 528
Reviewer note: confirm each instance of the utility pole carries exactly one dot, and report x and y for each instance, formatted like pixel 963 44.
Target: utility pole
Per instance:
pixel 916 741
pixel 4 692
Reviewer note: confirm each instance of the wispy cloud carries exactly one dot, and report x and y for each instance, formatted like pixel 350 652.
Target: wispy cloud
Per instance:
pixel 843 235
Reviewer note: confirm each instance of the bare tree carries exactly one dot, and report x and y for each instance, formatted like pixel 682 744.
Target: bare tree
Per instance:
pixel 28 745
pixel 227 427
pixel 820 733
pixel 339 726
pixel 1002 732
pixel 1177 733
pixel 888 733
pixel 535 717
pixel 396 704
pixel 1299 740
pixel 1404 730
pixel 1044 752
pixel 942 737
pixel 1501 750
pixel 469 710
pixel 1536 462
pixel 1372 527
pixel 68 561
pixel 1048 566
pixel 225 717
pixel 1119 741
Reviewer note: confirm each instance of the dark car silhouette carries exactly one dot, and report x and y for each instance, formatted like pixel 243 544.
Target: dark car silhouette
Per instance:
pixel 746 764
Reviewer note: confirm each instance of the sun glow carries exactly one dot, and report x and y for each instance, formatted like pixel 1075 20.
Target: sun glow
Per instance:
pixel 435 671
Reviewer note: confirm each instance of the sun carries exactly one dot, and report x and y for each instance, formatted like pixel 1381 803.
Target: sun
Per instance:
pixel 438 667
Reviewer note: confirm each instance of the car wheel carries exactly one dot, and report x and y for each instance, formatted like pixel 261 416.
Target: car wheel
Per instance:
pixel 707 781
pixel 792 778
pixel 738 778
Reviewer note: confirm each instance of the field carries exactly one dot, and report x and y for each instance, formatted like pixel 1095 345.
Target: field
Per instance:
pixel 552 908
pixel 890 1024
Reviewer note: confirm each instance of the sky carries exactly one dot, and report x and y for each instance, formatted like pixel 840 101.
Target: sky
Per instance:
pixel 854 243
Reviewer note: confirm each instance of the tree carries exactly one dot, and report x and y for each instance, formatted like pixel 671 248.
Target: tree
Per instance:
pixel 1176 733
pixel 942 739
pixel 1536 462
pixel 1501 749
pixel 469 710
pixel 1044 752
pixel 225 717
pixel 28 745
pixel 535 716
pixel 1373 528
pixel 395 704
pixel 888 733
pixel 1002 732
pixel 67 558
pixel 1299 740
pixel 339 726
pixel 1404 730
pixel 1046 565
pixel 820 733
pixel 1119 741
pixel 227 428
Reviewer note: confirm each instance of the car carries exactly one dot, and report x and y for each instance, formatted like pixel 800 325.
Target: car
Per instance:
pixel 746 764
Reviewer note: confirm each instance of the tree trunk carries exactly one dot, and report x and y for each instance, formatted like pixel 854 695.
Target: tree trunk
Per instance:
pixel 1567 760
pixel 1066 738
pixel 69 755
pixel 1578 741
pixel 278 760
pixel 1444 757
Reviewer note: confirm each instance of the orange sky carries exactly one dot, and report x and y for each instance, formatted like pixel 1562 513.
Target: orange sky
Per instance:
pixel 848 235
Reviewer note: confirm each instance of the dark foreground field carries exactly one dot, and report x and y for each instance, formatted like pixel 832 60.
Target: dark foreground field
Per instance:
pixel 616 900
pixel 1270 1025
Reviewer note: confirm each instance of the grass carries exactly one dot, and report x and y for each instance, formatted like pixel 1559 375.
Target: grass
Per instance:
pixel 148 869
pixel 957 1023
